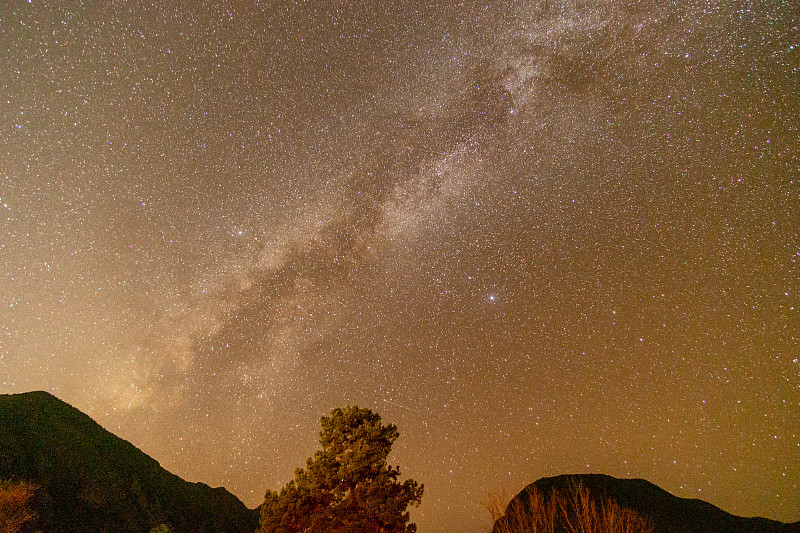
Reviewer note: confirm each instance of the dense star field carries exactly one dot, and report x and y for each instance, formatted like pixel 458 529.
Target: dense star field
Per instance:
pixel 539 237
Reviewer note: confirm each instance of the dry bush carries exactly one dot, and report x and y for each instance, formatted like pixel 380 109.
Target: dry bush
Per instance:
pixel 15 510
pixel 573 511
pixel 539 516
pixel 495 503
pixel 584 513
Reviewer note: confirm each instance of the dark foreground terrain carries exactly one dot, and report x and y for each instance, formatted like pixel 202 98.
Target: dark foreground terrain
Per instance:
pixel 93 481
pixel 664 512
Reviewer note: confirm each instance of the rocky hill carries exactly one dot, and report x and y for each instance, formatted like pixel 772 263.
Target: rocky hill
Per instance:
pixel 664 512
pixel 93 481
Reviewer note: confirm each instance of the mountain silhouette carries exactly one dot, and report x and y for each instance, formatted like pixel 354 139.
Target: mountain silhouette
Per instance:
pixel 94 481
pixel 665 512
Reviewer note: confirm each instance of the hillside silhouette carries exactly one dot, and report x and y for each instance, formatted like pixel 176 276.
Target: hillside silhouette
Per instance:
pixel 664 512
pixel 94 481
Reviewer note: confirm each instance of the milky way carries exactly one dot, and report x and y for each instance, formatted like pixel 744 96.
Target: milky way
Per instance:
pixel 540 238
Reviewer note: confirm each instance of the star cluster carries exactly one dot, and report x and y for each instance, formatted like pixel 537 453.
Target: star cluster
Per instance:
pixel 540 238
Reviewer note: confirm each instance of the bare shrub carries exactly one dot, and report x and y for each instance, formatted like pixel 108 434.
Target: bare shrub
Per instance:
pixel 537 516
pixel 15 510
pixel 575 510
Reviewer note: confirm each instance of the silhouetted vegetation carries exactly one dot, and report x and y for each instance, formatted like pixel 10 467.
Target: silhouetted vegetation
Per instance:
pixel 598 503
pixel 347 486
pixel 574 510
pixel 15 505
pixel 60 472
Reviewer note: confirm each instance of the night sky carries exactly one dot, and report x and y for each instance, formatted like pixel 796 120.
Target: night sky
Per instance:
pixel 539 237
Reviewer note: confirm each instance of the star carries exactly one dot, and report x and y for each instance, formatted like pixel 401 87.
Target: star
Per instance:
pixel 335 193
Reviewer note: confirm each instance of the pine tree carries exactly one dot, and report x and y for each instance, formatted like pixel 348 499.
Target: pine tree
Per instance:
pixel 347 487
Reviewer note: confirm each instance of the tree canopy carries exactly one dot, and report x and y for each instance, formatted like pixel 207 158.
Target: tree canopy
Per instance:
pixel 347 487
